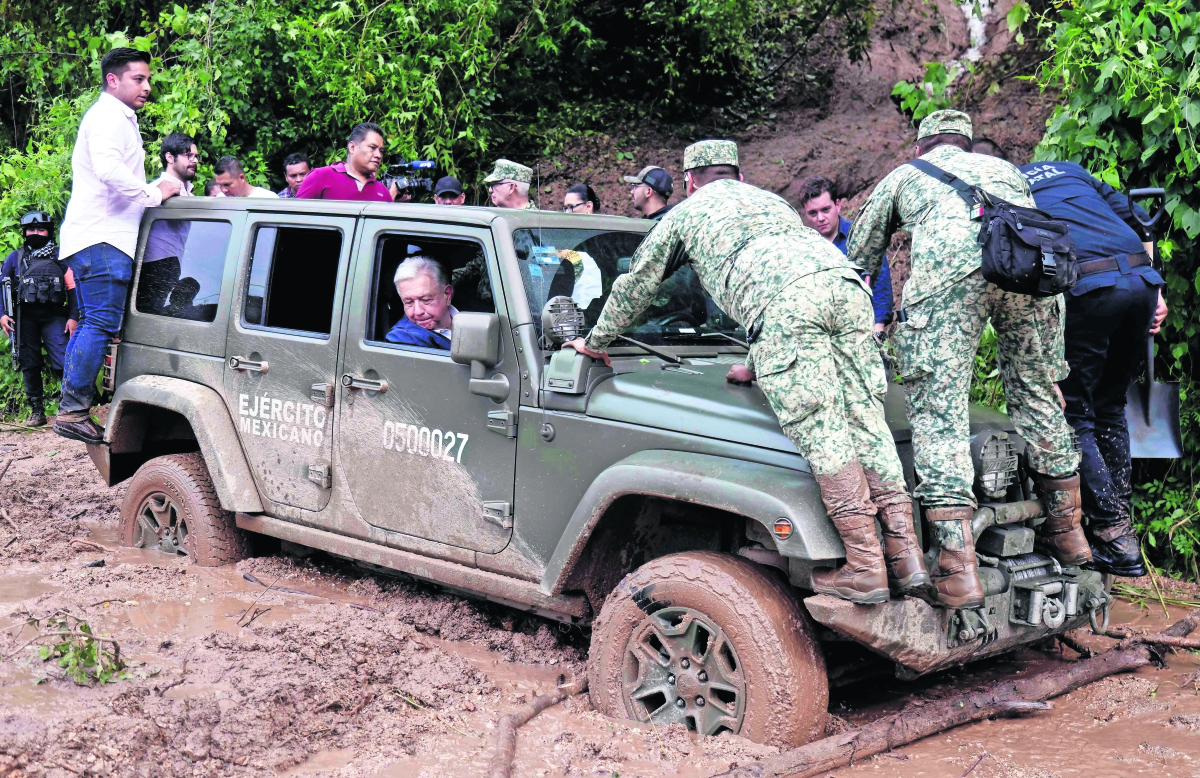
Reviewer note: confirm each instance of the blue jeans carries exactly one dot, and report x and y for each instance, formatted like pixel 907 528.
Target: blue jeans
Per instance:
pixel 102 275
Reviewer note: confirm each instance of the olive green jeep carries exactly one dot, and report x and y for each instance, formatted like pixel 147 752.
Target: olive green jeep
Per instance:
pixel 255 390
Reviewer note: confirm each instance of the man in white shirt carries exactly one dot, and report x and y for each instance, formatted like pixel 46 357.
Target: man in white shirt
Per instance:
pixel 99 232
pixel 231 177
pixel 168 237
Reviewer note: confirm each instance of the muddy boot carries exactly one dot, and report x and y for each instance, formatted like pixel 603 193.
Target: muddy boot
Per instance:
pixel 905 562
pixel 1061 535
pixel 957 576
pixel 36 419
pixel 862 579
pixel 1115 548
pixel 33 393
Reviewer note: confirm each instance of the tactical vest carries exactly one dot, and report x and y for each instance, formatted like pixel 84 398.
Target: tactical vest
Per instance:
pixel 40 281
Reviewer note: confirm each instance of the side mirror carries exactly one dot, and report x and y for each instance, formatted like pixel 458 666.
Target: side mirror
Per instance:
pixel 475 341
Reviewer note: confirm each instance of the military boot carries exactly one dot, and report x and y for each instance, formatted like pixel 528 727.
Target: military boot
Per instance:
pixel 957 576
pixel 863 579
pixel 1061 534
pixel 1115 548
pixel 905 562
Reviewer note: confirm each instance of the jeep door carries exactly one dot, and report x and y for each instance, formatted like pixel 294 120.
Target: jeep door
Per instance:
pixel 281 352
pixel 422 455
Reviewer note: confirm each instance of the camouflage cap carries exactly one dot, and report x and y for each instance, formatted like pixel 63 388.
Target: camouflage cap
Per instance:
pixel 506 170
pixel 946 122
pixel 710 152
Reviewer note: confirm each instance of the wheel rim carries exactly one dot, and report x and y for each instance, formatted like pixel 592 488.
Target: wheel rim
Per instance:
pixel 681 667
pixel 161 525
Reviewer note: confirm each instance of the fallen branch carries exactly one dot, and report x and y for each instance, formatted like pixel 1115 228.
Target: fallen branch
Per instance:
pixel 1128 638
pixel 506 733
pixel 1007 698
pixel 1076 646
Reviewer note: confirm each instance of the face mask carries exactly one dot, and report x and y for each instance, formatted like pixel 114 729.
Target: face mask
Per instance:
pixel 35 242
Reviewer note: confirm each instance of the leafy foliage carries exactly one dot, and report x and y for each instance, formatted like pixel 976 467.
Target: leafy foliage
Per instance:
pixel 84 657
pixel 456 81
pixel 1132 79
pixel 930 94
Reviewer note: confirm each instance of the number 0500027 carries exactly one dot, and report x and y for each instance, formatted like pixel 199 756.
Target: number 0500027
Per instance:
pixel 422 441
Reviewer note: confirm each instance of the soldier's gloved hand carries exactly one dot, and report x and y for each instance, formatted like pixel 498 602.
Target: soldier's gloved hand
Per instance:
pixel 1160 315
pixel 6 323
pixel 739 374
pixel 578 345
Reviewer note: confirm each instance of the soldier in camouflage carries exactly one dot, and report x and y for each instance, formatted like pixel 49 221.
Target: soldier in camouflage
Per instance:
pixel 812 346
pixel 947 304
pixel 508 185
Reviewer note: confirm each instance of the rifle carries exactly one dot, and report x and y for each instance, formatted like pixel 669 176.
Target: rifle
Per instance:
pixel 10 310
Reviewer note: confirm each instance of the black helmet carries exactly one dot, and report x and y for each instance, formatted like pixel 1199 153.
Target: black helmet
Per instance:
pixel 37 220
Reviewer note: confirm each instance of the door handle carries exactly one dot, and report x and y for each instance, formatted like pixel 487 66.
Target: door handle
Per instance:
pixel 241 363
pixel 366 384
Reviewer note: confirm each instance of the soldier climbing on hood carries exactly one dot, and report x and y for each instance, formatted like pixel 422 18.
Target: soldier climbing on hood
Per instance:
pixel 947 303
pixel 809 320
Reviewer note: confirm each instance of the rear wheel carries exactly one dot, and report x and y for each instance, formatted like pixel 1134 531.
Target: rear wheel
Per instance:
pixel 173 507
pixel 711 641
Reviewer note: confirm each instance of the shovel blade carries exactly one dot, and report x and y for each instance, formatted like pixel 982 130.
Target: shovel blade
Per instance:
pixel 1153 421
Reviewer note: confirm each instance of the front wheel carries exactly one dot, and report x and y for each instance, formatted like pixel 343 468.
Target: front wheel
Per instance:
pixel 712 641
pixel 173 507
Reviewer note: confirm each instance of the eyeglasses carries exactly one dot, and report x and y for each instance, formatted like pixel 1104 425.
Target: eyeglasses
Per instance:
pixel 188 155
pixel 573 206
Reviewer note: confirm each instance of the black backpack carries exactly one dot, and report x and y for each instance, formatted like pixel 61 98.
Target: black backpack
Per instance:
pixel 41 280
pixel 1024 250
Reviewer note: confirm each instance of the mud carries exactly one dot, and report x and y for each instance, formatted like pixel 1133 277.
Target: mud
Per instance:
pixel 314 667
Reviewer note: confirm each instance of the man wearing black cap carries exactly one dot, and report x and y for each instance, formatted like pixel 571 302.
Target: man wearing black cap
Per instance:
pixel 448 191
pixel 650 190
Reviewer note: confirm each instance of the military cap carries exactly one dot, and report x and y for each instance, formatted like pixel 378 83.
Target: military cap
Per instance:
pixel 509 171
pixel 945 122
pixel 710 152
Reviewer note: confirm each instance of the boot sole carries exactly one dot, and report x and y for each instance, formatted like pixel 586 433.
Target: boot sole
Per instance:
pixel 76 436
pixel 876 597
pixel 1122 572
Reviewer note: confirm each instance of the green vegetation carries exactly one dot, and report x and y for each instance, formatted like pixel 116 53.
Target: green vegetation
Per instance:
pixel 84 657
pixel 457 81
pixel 1132 80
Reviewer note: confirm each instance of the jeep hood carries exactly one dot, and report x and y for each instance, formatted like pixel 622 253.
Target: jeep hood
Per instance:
pixel 695 399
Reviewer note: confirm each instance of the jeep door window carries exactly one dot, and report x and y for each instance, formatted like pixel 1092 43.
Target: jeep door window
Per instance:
pixel 463 265
pixel 182 268
pixel 582 264
pixel 292 280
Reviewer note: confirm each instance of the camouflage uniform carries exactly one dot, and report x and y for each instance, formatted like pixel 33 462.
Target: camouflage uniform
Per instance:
pixel 947 303
pixel 817 361
pixel 475 271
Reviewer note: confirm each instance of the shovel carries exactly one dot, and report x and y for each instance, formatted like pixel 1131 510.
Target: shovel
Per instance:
pixel 1152 408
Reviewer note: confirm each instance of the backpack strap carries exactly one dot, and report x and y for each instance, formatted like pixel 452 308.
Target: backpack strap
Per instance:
pixel 964 190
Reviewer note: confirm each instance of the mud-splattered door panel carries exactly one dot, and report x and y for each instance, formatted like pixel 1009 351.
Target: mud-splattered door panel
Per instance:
pixel 420 453
pixel 281 354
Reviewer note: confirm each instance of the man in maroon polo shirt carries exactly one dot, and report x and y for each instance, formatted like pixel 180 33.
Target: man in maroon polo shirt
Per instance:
pixel 353 179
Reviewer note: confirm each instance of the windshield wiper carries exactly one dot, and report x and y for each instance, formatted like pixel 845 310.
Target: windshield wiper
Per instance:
pixel 701 336
pixel 665 356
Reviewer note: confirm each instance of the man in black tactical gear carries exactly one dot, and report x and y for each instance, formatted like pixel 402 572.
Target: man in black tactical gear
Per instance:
pixel 40 307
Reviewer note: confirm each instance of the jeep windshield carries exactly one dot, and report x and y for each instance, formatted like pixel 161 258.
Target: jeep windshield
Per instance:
pixel 582 264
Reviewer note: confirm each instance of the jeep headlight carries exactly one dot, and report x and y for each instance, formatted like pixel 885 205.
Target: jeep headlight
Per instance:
pixel 995 462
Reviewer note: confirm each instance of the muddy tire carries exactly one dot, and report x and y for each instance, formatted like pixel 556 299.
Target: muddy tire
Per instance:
pixel 712 641
pixel 172 506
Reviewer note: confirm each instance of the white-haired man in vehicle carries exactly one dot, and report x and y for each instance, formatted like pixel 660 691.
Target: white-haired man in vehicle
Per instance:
pixel 425 290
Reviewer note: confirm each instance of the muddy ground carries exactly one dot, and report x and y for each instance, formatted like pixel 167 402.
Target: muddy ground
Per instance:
pixel 353 674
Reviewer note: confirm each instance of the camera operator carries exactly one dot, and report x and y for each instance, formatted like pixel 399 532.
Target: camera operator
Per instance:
pixel 40 307
pixel 353 179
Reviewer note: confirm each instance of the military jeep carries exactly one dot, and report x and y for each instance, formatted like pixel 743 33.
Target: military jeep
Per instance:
pixel 255 391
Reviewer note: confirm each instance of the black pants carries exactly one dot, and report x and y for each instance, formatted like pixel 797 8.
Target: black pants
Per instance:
pixel 1105 339
pixel 41 328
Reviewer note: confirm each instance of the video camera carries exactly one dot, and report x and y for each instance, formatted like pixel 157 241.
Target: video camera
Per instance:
pixel 405 175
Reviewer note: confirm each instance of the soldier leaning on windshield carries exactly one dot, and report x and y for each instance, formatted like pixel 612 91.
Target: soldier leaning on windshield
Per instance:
pixel 947 303
pixel 809 317
pixel 44 310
